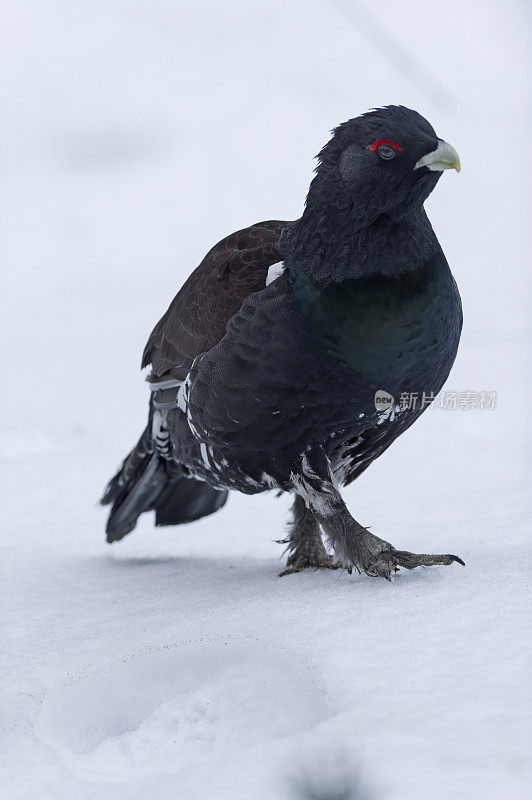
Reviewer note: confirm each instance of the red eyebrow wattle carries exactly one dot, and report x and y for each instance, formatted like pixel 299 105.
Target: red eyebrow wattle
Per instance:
pixel 377 142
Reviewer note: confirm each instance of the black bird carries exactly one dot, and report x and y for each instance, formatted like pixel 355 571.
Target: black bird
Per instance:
pixel 297 352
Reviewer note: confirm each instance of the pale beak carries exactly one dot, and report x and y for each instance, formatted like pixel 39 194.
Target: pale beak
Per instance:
pixel 444 157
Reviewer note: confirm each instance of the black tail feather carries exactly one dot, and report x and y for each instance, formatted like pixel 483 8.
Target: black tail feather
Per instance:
pixel 132 467
pixel 142 494
pixel 185 500
pixel 147 482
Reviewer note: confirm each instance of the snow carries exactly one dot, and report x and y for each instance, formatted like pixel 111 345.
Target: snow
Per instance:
pixel 176 663
pixel 168 705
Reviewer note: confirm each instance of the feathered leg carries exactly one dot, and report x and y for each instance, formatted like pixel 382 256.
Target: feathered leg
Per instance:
pixel 305 545
pixel 355 546
pixel 352 543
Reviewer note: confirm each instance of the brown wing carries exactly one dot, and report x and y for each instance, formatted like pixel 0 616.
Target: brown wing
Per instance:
pixel 198 315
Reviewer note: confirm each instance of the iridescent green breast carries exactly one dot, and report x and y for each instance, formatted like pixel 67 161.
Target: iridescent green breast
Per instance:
pixel 382 326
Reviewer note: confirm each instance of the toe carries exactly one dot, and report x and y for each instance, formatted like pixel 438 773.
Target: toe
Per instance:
pixel 383 568
pixel 298 564
pixel 412 560
pixel 290 571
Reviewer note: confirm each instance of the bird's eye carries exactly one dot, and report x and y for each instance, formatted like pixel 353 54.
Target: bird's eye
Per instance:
pixel 385 148
pixel 386 152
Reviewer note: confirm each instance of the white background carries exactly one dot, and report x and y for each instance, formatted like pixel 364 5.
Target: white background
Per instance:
pixel 176 664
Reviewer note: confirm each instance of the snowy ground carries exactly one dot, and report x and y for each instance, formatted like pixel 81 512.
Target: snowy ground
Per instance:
pixel 177 664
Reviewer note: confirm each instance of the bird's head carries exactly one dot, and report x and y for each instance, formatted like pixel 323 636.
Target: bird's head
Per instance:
pixel 385 162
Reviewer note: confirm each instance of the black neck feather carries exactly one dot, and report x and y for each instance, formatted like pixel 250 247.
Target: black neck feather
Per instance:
pixel 332 243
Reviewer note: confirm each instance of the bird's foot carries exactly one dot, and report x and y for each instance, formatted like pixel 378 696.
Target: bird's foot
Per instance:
pixel 297 563
pixel 380 559
pixel 389 562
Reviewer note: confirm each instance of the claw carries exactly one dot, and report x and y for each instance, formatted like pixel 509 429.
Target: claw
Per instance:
pixel 457 559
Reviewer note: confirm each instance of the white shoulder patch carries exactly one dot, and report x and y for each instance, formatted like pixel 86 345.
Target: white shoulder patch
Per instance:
pixel 274 271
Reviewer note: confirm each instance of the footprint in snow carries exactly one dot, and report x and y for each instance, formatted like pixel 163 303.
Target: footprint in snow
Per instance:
pixel 160 712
